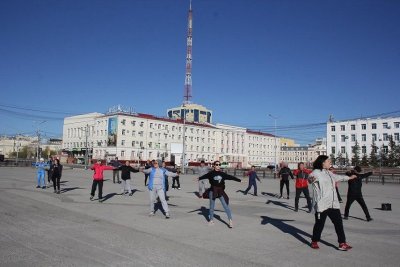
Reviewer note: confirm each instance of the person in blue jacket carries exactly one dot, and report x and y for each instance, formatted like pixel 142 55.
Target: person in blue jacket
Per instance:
pixel 156 186
pixel 252 180
pixel 41 167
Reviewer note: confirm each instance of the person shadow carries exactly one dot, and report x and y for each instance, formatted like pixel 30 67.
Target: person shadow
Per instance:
pixel 108 196
pixel 269 194
pixel 293 231
pixel 281 204
pixel 65 190
pixel 205 213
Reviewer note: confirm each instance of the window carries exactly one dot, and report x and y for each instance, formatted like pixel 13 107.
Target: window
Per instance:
pixel 332 128
pixel 374 137
pixel 385 137
pixel 396 136
pixel 343 149
pixel 364 137
pixel 364 149
pixel 343 138
pixel 385 149
pixel 397 125
pixel 353 138
pixel 133 143
pixel 123 131
pixel 385 125
pixel 353 127
pixel 141 124
pixel 133 133
pixel 122 153
pixel 342 127
pixel 363 126
pixel 373 126
pixel 333 138
pixel 122 142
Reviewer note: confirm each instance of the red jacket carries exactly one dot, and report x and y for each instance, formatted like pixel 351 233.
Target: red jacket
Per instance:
pixel 301 177
pixel 98 171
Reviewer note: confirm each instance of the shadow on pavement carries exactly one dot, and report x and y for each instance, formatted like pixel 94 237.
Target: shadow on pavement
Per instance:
pixel 64 190
pixel 269 194
pixel 205 213
pixel 293 231
pixel 281 204
pixel 108 196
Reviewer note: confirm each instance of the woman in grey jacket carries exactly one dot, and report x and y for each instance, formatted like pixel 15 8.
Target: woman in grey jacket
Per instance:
pixel 326 203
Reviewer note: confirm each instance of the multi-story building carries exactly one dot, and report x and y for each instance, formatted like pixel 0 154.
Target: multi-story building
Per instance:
pixel 136 136
pixel 343 135
pixel 295 154
pixel 10 144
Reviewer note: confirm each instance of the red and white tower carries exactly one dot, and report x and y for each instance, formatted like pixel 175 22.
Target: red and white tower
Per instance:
pixel 188 78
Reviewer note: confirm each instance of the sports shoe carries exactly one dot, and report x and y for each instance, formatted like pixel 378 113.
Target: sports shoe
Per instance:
pixel 344 247
pixel 179 188
pixel 55 191
pixel 151 213
pixel 287 197
pixel 100 199
pixel 296 210
pixel 369 219
pixel 167 215
pixel 211 222
pixel 58 192
pixel 44 187
pixel 345 218
pixel 38 186
pixel 130 194
pixel 230 224
pixel 314 245
pixel 91 197
pixel 280 197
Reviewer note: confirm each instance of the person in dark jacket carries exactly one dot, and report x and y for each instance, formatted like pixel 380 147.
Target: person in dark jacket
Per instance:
pixel 302 185
pixel 56 173
pixel 116 164
pixel 354 192
pixel 126 178
pixel 217 190
pixel 176 178
pixel 284 174
pixel 146 175
pixel 252 180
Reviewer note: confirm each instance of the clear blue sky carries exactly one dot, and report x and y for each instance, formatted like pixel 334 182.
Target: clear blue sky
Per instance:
pixel 298 60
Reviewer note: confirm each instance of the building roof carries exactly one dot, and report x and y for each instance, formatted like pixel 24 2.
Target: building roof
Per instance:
pixel 259 133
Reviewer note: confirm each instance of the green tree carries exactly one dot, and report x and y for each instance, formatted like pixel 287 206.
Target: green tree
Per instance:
pixel 383 157
pixel 355 160
pixel 393 153
pixel 373 158
pixel 364 160
pixel 25 152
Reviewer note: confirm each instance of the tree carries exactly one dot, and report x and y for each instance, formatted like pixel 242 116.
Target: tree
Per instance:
pixel 373 158
pixel 393 153
pixel 364 160
pixel 25 152
pixel 340 160
pixel 355 160
pixel 333 159
pixel 383 157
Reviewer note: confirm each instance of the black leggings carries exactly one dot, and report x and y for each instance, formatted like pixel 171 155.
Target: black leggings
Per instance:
pixel 284 182
pixel 94 185
pixel 336 218
pixel 177 182
pixel 306 194
pixel 56 182
pixel 360 200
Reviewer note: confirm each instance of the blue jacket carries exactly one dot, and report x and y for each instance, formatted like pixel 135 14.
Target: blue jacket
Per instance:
pixel 40 166
pixel 151 178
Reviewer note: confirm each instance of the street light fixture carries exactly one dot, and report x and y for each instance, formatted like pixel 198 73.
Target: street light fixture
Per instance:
pixel 275 160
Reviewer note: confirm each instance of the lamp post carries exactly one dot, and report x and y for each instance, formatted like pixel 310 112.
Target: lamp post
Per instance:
pixel 275 158
pixel 183 141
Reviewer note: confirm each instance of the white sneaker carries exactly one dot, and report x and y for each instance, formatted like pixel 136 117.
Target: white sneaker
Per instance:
pixel 167 216
pixel 151 213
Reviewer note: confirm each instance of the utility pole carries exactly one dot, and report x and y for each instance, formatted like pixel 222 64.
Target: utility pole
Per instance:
pixel 184 141
pixel 86 146
pixel 275 160
pixel 38 140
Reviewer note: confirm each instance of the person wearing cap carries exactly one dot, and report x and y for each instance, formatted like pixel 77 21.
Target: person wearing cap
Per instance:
pixel 354 192
pixel 41 167
pixel 156 186
pixel 98 178
pixel 217 191
pixel 202 170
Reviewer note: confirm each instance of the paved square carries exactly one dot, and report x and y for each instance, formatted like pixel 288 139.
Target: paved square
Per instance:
pixel 40 228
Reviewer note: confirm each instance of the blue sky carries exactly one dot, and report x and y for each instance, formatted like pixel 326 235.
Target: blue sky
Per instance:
pixel 298 60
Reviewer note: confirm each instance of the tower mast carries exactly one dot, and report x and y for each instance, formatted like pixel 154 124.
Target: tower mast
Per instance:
pixel 188 78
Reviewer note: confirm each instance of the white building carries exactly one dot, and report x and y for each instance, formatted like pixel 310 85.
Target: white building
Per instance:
pixel 136 136
pixel 10 144
pixel 342 135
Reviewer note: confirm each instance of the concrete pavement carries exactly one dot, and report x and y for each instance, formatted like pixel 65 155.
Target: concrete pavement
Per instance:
pixel 40 228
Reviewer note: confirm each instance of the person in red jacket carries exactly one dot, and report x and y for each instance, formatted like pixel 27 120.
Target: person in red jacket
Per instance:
pixel 98 177
pixel 302 185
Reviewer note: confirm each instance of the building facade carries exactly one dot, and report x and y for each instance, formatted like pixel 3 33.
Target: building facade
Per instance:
pixel 342 136
pixel 136 136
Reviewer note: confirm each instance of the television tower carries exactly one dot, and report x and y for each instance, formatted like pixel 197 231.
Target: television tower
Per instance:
pixel 188 78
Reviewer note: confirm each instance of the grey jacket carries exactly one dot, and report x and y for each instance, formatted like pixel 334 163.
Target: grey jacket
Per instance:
pixel 324 190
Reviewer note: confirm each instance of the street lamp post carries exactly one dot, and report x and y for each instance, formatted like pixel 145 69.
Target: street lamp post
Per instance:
pixel 275 158
pixel 184 141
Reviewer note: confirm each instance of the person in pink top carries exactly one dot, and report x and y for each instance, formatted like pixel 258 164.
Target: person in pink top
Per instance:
pixel 98 177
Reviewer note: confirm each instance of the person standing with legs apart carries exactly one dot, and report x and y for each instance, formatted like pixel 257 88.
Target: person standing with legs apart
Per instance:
pixel 126 178
pixel 56 173
pixel 252 180
pixel 41 169
pixel 176 178
pixel 116 164
pixel 284 174
pixel 98 178
pixel 326 201
pixel 146 176
pixel 354 192
pixel 302 186
pixel 202 170
pixel 156 187
pixel 217 179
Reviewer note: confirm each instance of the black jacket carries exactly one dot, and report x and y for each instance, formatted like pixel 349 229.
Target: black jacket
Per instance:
pixel 126 172
pixel 56 170
pixel 217 178
pixel 284 173
pixel 356 184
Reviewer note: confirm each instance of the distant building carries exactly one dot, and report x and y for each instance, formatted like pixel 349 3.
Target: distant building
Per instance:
pixel 343 135
pixel 194 113
pixel 10 144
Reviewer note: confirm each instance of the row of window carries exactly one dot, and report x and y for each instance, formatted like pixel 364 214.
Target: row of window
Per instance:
pixel 385 125
pixel 374 137
pixel 385 149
